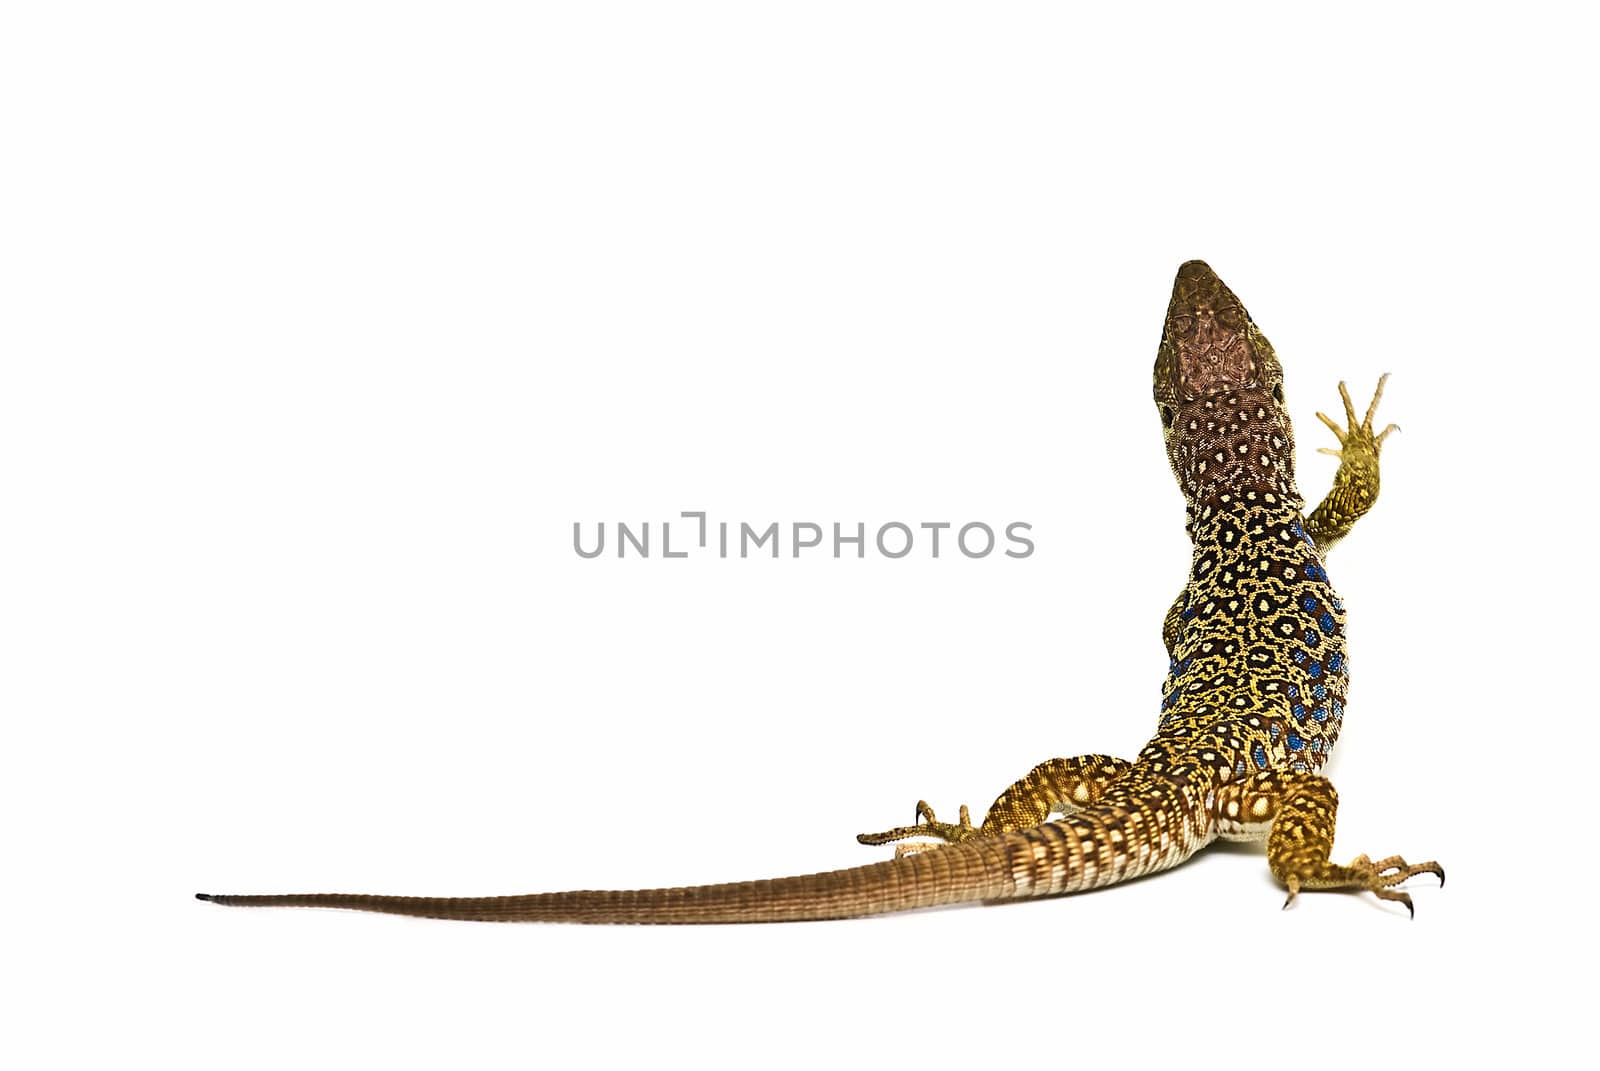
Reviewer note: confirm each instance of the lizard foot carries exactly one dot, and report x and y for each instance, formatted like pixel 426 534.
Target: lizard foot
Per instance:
pixel 1357 441
pixel 926 826
pixel 1355 485
pixel 1378 878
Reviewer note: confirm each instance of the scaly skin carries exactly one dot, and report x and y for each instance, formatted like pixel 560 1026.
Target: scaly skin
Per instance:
pixel 1252 705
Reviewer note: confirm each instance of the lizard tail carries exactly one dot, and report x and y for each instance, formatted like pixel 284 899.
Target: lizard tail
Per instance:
pixel 974 870
pixel 1157 823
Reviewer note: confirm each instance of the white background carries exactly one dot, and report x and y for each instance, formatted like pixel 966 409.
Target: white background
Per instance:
pixel 323 323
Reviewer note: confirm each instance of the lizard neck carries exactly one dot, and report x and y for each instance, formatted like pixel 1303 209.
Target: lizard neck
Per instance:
pixel 1245 520
pixel 1233 453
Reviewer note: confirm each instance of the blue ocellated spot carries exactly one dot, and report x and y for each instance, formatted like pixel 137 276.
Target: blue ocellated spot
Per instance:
pixel 1326 623
pixel 1260 755
pixel 1319 691
pixel 1337 605
pixel 1310 604
pixel 1336 661
pixel 1187 614
pixel 1338 709
pixel 1321 713
pixel 1299 712
pixel 1315 669
pixel 1274 732
pixel 1313 638
pixel 1300 657
pixel 1296 741
pixel 1294 691
pixel 1316 745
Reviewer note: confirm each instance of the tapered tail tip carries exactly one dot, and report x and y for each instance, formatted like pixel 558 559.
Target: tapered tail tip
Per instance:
pixel 204 896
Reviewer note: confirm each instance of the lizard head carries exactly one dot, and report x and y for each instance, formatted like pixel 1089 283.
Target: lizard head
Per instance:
pixel 1218 385
pixel 1210 345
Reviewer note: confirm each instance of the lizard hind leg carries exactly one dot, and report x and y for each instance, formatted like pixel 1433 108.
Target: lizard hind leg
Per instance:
pixel 1058 786
pixel 1296 811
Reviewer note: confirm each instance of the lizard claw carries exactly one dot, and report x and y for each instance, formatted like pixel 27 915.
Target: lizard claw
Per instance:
pixel 1378 878
pixel 1394 870
pixel 926 825
pixel 1357 437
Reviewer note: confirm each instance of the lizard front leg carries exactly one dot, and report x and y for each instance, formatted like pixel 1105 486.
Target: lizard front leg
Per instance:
pixel 1295 812
pixel 1172 624
pixel 1355 485
pixel 1059 786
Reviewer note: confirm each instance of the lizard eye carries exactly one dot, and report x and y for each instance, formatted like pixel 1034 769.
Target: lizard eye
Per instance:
pixel 1277 393
pixel 1166 416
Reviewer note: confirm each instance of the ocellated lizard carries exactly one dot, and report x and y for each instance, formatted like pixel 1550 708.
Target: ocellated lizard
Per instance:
pixel 1253 701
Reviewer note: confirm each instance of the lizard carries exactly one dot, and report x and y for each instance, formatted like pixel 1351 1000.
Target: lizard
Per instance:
pixel 1252 703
